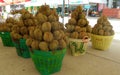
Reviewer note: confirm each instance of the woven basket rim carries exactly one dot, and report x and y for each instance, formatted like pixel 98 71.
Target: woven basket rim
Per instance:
pixel 48 51
pixel 101 35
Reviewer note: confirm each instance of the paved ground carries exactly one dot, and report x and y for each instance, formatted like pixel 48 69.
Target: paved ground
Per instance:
pixel 93 20
pixel 94 62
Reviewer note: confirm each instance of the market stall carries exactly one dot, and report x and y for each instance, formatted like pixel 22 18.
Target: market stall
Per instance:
pixel 96 7
pixel 113 12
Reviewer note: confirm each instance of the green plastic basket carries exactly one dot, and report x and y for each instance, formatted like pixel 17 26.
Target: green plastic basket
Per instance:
pixel 0 34
pixel 21 48
pixel 6 39
pixel 48 62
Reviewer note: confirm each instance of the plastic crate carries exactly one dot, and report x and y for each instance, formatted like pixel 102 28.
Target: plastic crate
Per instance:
pixel 6 39
pixel 21 48
pixel 101 42
pixel 48 62
pixel 78 46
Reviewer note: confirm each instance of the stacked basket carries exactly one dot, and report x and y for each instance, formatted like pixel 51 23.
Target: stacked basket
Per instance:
pixel 5 29
pixel 78 30
pixel 48 42
pixel 19 32
pixel 102 34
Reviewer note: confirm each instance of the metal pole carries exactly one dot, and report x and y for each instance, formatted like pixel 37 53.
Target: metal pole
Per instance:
pixel 63 10
pixel 68 7
pixel 110 3
pixel 87 13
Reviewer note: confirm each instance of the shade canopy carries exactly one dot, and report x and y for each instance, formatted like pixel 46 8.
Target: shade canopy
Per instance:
pixel 98 1
pixel 78 1
pixel 8 2
pixel 50 2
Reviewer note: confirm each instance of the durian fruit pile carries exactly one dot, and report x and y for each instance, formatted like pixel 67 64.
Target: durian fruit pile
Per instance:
pixel 49 34
pixel 78 26
pixel 25 22
pixel 15 11
pixel 103 27
pixel 7 25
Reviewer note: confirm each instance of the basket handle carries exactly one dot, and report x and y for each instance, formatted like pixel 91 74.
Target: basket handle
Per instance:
pixel 85 39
